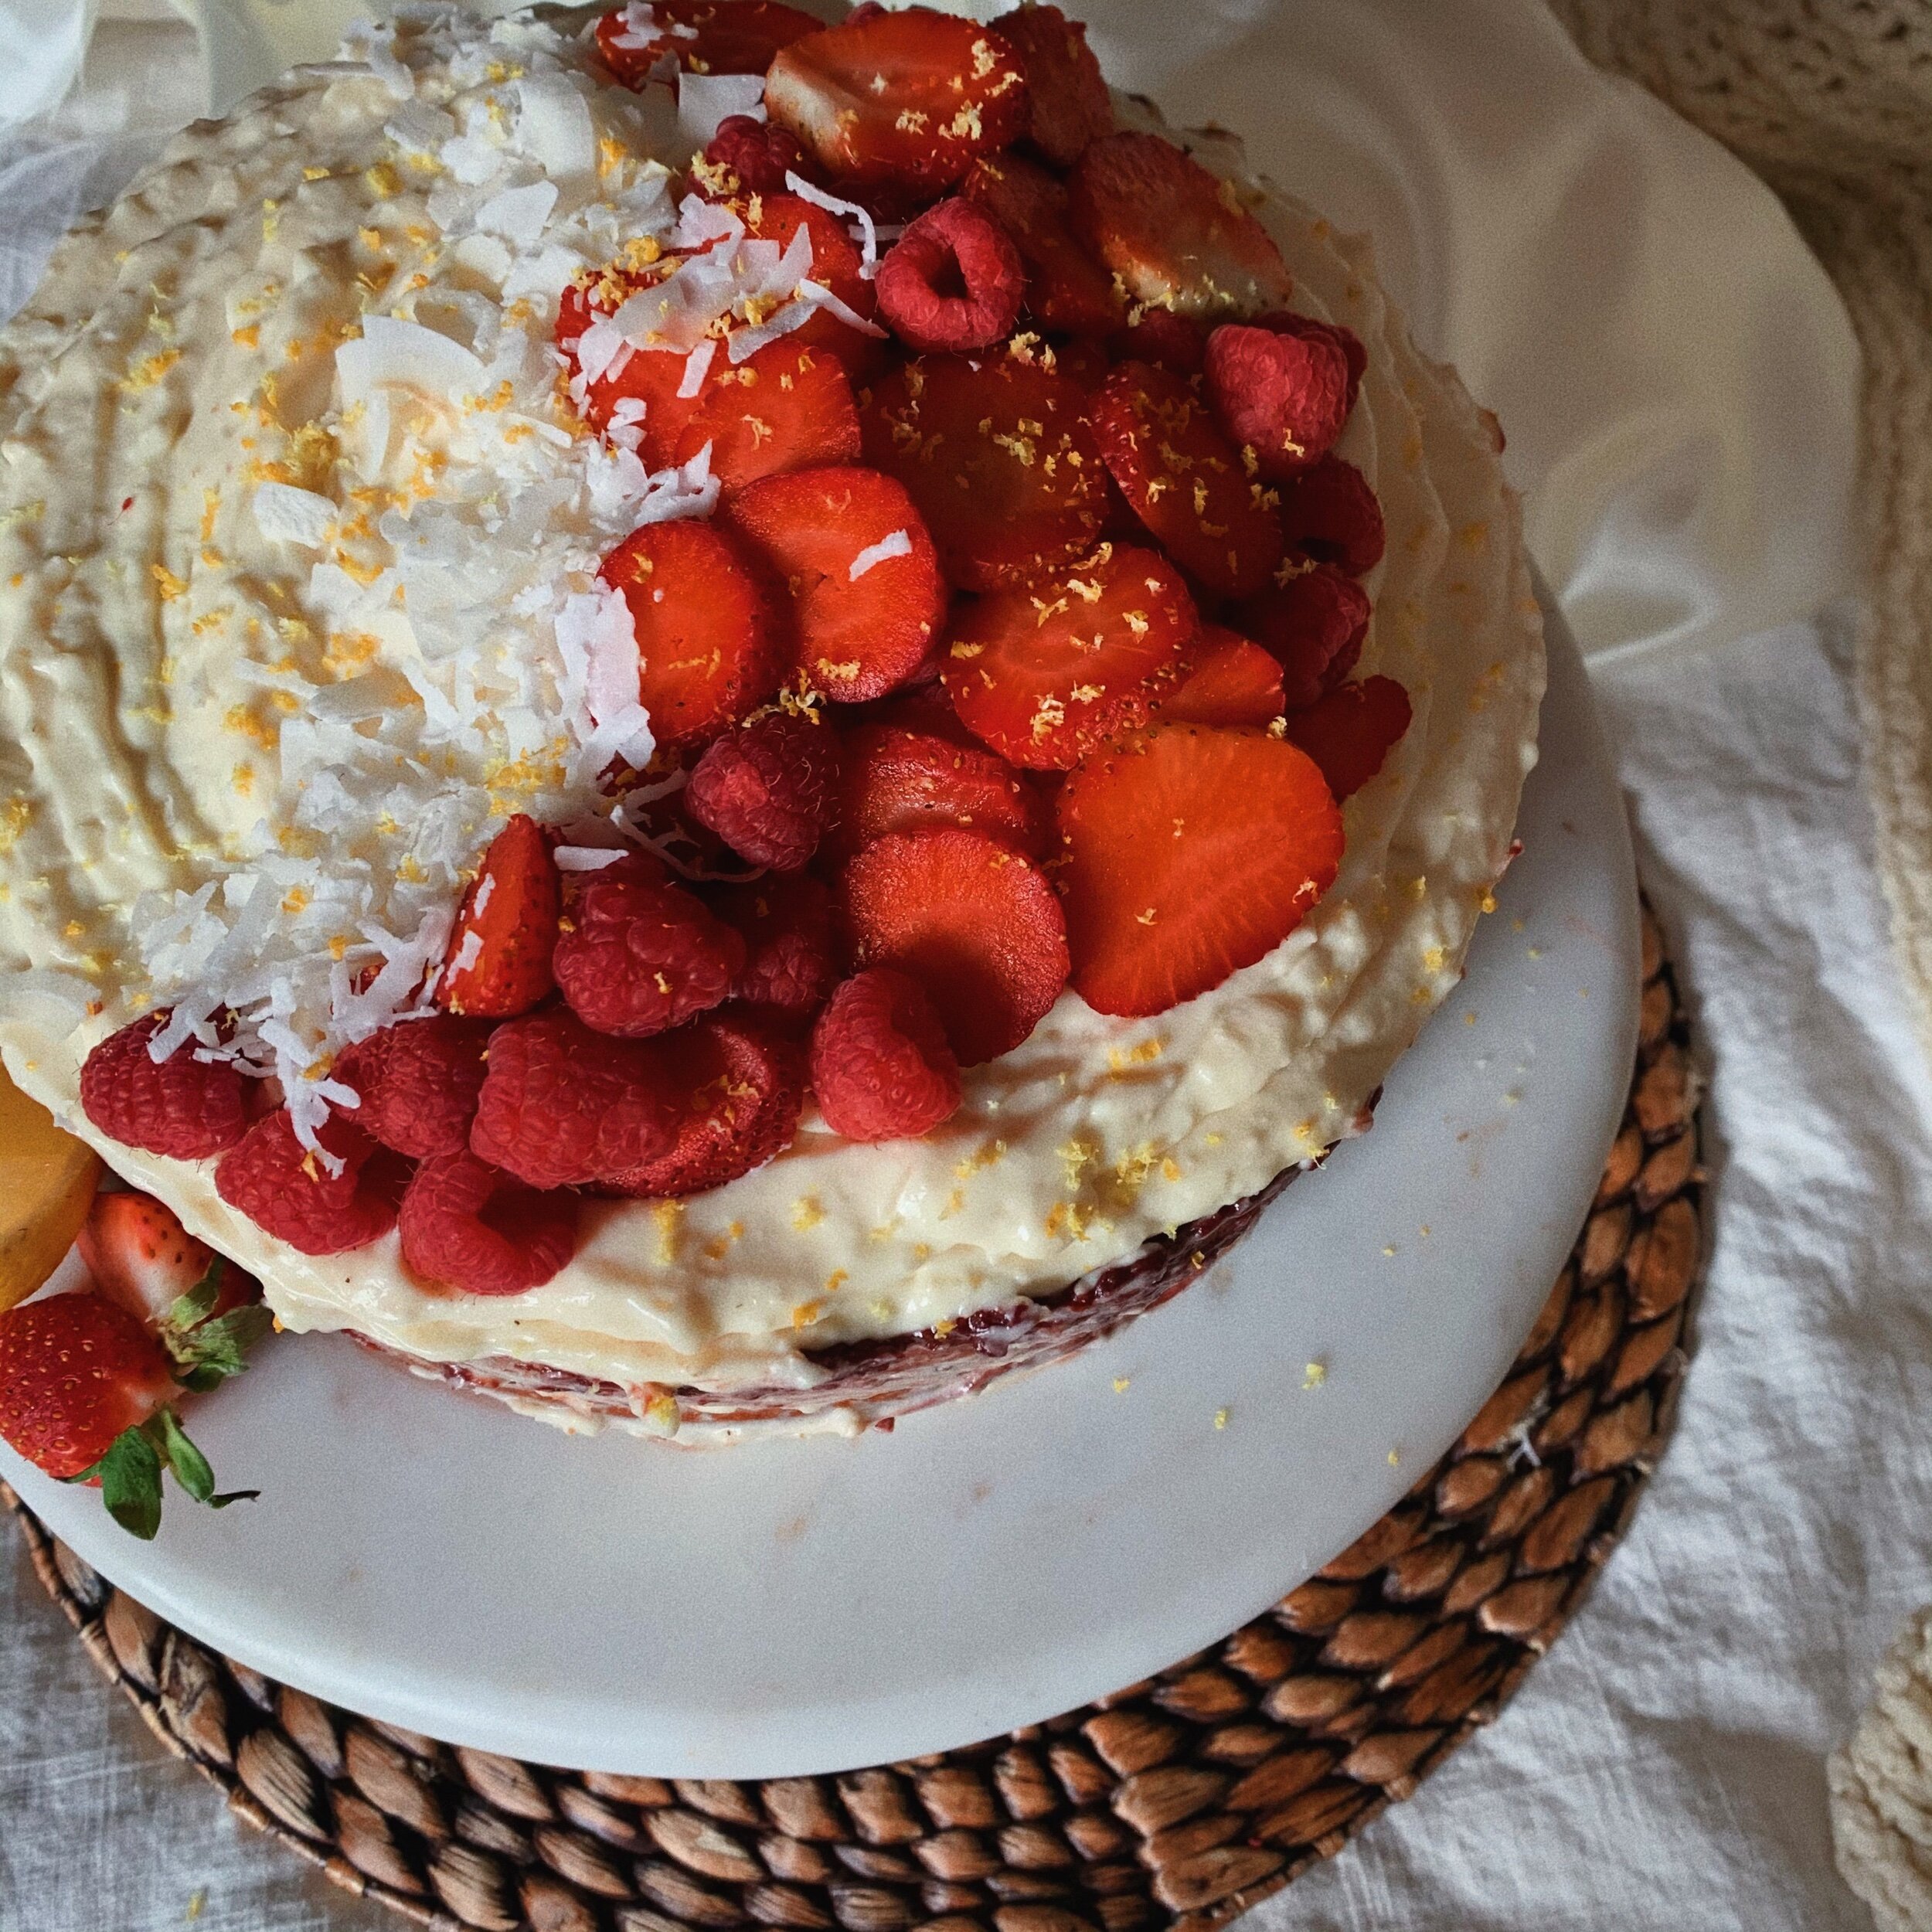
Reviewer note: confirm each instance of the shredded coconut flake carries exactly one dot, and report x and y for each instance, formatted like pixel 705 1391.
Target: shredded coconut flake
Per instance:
pixel 898 544
pixel 867 232
pixel 284 514
pixel 704 100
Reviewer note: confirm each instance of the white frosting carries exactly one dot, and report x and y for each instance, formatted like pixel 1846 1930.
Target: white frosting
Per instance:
pixel 299 709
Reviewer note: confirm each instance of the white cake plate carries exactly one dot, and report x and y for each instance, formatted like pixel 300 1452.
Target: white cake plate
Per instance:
pixel 797 1605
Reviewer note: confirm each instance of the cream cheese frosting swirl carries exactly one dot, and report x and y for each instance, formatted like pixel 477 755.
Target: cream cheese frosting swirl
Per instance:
pixel 298 535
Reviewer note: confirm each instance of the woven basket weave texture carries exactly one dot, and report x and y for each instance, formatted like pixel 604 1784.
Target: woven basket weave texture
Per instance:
pixel 1176 1803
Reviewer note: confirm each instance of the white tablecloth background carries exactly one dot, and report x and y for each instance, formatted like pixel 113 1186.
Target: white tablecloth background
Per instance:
pixel 1679 386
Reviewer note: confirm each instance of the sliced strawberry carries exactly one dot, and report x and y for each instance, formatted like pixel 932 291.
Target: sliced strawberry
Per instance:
pixel 1066 287
pixel 954 280
pixel 1044 673
pixel 836 265
pixel 1350 731
pixel 792 956
pixel 712 637
pixel 1189 854
pixel 853 550
pixel 1234 683
pixel 998 457
pixel 498 961
pixel 1313 624
pixel 906 98
pixel 1284 394
pixel 702 36
pixel 1068 106
pixel 900 778
pixel 140 1256
pixel 1330 513
pixel 785 408
pixel 1160 336
pixel 743 1086
pixel 646 380
pixel 1185 479
pixel 1084 361
pixel 1177 236
pixel 969 917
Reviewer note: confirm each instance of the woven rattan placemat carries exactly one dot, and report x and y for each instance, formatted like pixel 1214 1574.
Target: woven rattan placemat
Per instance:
pixel 1177 1802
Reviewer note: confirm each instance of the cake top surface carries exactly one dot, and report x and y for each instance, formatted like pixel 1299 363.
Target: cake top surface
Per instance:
pixel 300 532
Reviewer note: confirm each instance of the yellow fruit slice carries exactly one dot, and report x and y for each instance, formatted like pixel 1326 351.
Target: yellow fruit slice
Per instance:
pixel 47 1181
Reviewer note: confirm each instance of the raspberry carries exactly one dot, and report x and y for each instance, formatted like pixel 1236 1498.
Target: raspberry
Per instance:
pixel 743 1084
pixel 1285 396
pixel 184 1107
pixel 792 953
pixel 1330 513
pixel 467 1227
pixel 642 959
pixel 288 1192
pixel 1351 731
pixel 1314 624
pixel 770 789
pixel 971 918
pixel 758 155
pixel 880 1063
pixel 562 1106
pixel 418 1081
pixel 1285 321
pixel 954 280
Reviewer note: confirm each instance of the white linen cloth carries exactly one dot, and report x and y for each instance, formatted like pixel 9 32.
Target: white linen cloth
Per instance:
pixel 1677 383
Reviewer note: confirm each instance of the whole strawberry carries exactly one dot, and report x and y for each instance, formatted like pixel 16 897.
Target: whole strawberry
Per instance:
pixel 76 1370
pixel 87 1391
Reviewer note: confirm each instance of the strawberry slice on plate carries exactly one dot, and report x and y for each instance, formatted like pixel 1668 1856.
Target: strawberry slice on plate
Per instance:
pixel 785 407
pixel 1068 105
pixel 906 99
pixel 140 1256
pixel 498 961
pixel 998 456
pixel 867 598
pixel 1048 670
pixel 1350 731
pixel 1177 236
pixel 1185 479
pixel 712 641
pixel 703 36
pixel 1066 288
pixel 900 777
pixel 969 917
pixel 1189 854
pixel 1234 681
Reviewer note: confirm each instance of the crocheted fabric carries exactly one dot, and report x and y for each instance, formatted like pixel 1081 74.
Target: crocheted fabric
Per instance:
pixel 1831 102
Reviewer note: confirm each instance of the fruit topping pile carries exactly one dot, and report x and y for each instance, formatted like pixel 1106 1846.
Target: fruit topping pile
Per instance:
pixel 1011 652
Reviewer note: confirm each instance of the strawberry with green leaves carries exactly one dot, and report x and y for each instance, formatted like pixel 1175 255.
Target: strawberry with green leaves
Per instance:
pixel 87 1392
